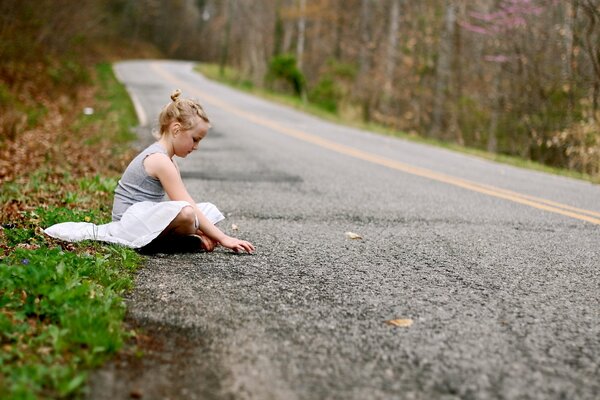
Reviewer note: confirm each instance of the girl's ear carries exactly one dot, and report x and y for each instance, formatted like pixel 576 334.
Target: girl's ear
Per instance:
pixel 175 128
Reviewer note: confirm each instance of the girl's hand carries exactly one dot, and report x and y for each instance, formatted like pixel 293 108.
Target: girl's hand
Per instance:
pixel 237 244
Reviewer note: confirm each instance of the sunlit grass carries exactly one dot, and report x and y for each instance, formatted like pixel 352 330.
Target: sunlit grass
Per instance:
pixel 116 111
pixel 235 79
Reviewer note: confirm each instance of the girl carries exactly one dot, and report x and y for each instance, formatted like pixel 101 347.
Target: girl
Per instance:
pixel 141 219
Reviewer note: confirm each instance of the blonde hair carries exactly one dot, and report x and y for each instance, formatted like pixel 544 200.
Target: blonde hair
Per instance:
pixel 182 111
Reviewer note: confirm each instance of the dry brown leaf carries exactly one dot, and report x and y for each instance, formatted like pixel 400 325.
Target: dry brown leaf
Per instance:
pixel 352 235
pixel 28 246
pixel 403 323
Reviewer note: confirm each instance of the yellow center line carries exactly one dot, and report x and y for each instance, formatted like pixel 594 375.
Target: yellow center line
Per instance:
pixel 545 201
pixel 532 201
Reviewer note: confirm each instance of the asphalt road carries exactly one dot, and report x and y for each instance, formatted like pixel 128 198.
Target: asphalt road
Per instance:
pixel 497 267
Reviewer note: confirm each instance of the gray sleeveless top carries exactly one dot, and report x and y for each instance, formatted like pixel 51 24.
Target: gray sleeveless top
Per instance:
pixel 136 185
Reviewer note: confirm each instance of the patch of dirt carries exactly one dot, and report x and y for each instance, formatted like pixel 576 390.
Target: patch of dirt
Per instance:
pixel 162 362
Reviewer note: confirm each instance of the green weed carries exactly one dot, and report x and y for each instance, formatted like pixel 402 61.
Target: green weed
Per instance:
pixel 54 215
pixel 15 236
pixel 98 183
pixel 61 308
pixel 60 312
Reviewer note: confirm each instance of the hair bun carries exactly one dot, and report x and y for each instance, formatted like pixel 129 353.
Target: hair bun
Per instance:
pixel 175 95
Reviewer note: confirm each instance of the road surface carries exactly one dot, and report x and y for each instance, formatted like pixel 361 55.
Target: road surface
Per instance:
pixel 498 268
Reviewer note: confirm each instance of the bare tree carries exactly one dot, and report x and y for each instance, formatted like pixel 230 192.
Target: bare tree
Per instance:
pixel 301 33
pixel 392 47
pixel 442 73
pixel 591 11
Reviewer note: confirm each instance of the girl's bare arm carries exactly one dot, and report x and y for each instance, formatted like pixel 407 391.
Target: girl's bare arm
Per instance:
pixel 162 167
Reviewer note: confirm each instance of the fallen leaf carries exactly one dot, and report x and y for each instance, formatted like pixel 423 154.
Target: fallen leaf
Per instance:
pixel 27 246
pixel 352 235
pixel 404 323
pixel 234 227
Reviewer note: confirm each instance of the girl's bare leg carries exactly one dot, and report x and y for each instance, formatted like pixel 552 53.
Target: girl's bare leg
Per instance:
pixel 183 224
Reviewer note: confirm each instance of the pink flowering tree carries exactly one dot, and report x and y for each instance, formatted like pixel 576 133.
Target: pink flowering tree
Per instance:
pixel 502 29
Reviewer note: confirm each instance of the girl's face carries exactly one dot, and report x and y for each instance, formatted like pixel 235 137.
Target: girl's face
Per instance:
pixel 186 141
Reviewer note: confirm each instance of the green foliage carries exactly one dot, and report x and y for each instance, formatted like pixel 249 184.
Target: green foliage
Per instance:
pixel 471 112
pixel 325 94
pixel 54 215
pixel 333 86
pixel 35 114
pixel 60 312
pixel 119 114
pixel 14 236
pixel 5 95
pixel 341 71
pixel 16 115
pixel 246 84
pixel 68 73
pixel 284 68
pixel 473 120
pixel 98 183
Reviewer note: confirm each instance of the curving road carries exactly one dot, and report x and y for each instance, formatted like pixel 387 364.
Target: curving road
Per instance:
pixel 497 267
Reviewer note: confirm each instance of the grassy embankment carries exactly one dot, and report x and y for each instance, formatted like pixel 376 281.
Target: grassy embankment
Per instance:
pixel 235 79
pixel 61 311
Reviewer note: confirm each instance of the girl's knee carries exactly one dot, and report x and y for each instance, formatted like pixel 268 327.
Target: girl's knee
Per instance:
pixel 184 223
pixel 187 215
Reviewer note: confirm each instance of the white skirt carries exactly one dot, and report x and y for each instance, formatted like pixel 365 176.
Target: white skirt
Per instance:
pixel 140 224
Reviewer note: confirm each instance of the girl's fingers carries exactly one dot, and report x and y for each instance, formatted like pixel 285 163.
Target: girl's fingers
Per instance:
pixel 247 247
pixel 242 245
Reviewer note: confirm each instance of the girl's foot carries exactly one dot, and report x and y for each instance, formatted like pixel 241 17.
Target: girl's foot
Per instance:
pixel 207 243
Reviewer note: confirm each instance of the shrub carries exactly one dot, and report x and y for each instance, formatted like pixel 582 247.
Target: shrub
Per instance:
pixel 333 86
pixel 283 68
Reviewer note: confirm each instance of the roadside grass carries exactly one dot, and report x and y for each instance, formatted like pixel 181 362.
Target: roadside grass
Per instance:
pixel 235 79
pixel 61 307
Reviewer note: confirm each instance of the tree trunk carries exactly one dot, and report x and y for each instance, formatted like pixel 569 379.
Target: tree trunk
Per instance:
pixel 278 31
pixel 569 56
pixel 339 29
pixel 492 142
pixel 593 48
pixel 392 48
pixel 364 59
pixel 457 78
pixel 301 34
pixel 224 53
pixel 442 72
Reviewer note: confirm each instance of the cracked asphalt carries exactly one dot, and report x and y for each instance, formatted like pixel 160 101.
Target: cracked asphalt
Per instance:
pixel 504 297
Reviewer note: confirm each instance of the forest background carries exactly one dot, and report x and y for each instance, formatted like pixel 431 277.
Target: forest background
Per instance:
pixel 517 77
